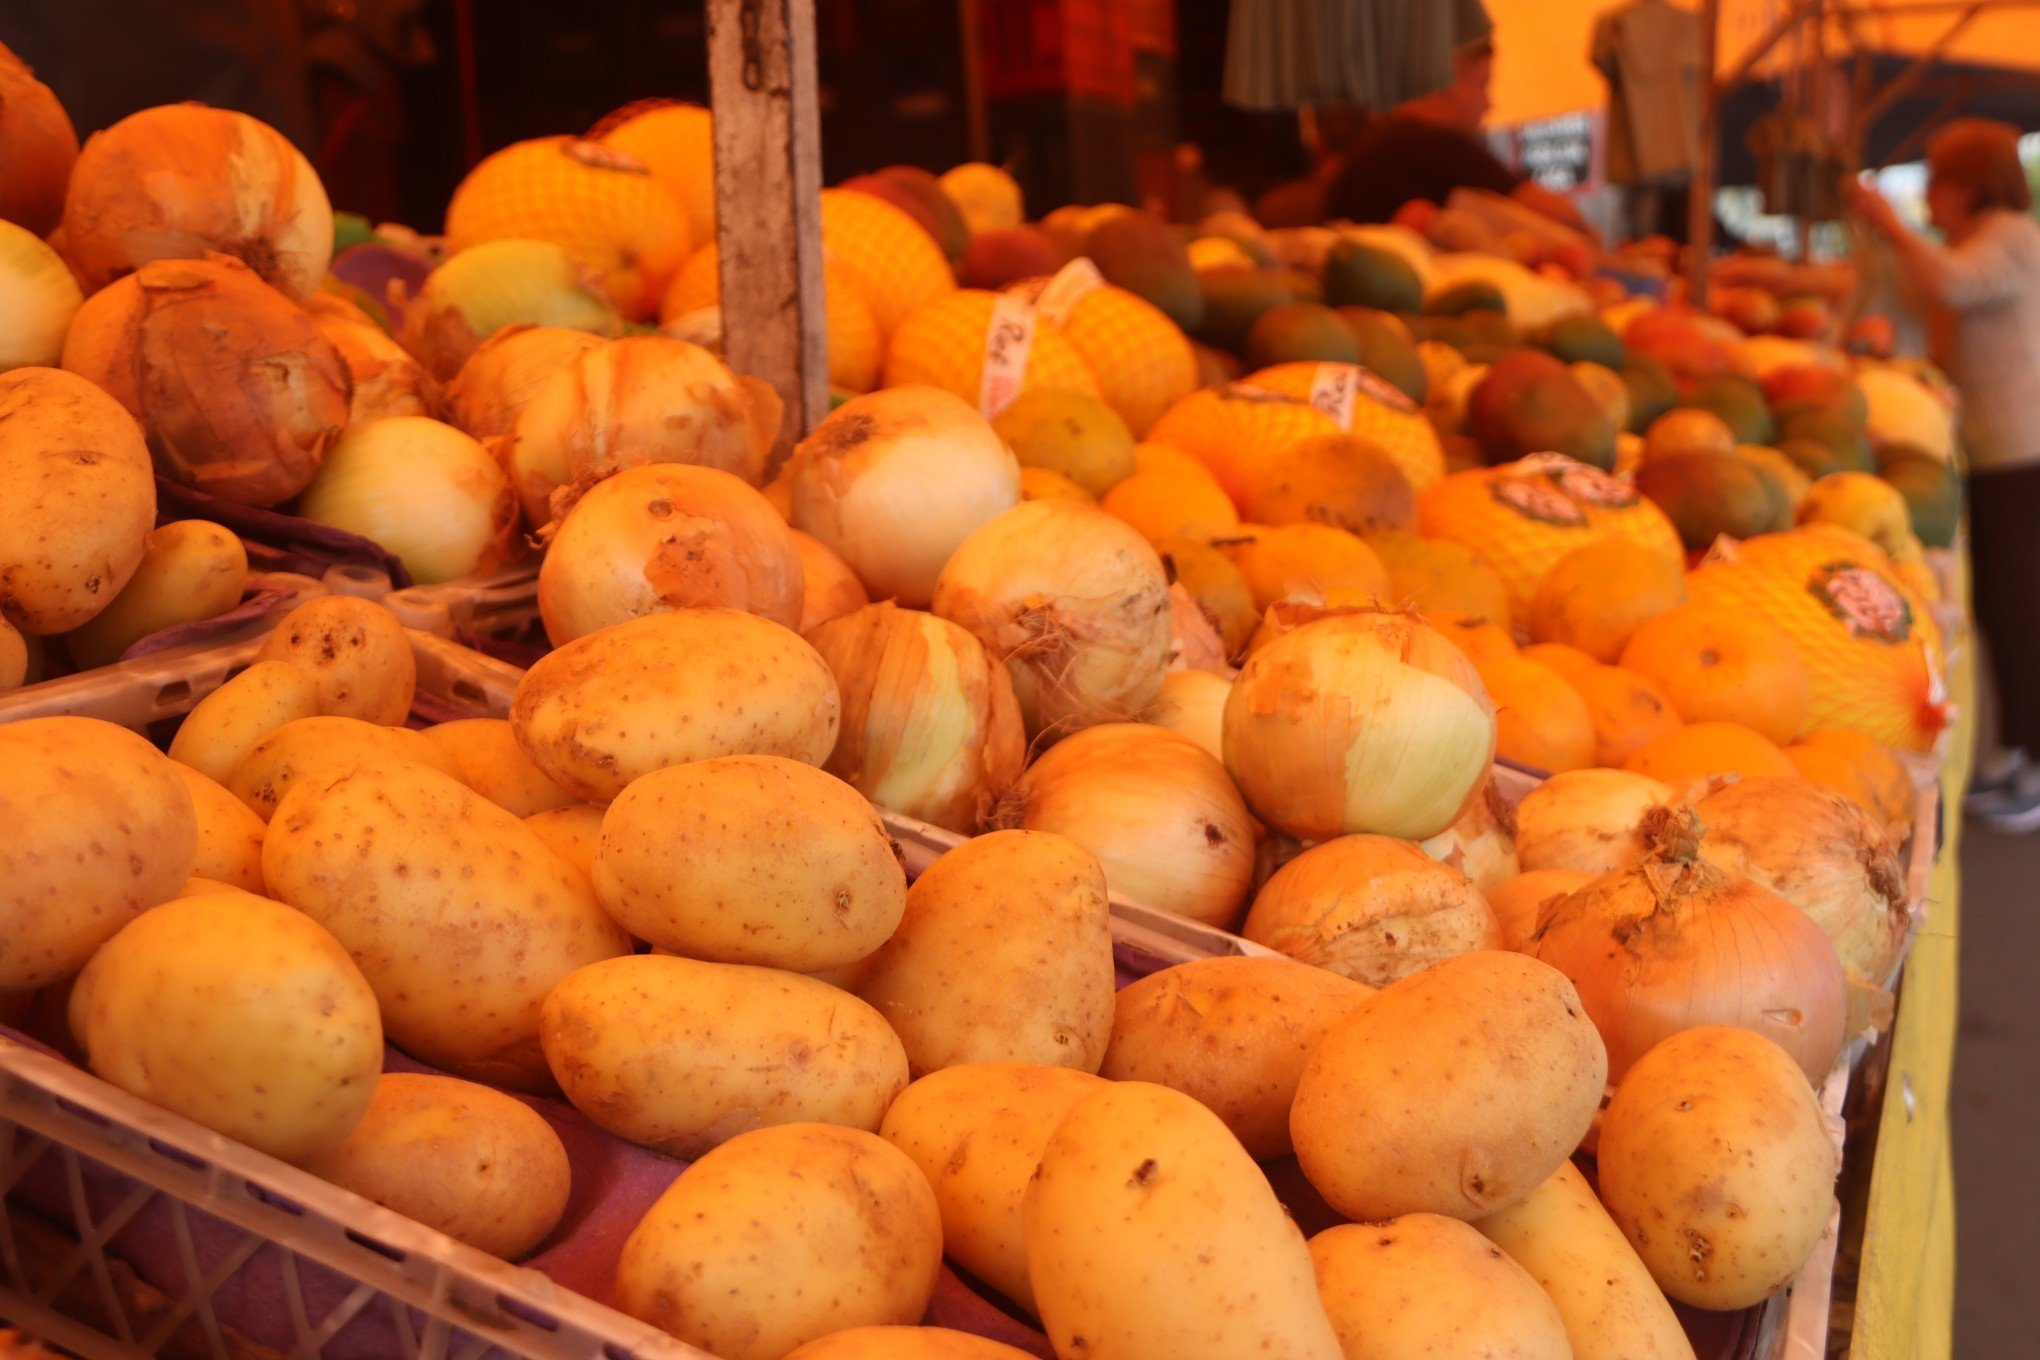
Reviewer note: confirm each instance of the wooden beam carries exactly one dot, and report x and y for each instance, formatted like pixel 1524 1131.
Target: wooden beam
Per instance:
pixel 768 182
pixel 1700 198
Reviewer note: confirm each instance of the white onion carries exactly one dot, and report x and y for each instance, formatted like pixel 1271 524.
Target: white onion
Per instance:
pixel 1482 843
pixel 421 489
pixel 1590 821
pixel 484 288
pixel 38 298
pixel 1192 704
pixel 506 372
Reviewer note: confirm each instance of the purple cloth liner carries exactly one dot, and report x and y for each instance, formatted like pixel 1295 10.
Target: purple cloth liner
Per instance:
pixel 373 266
pixel 307 547
pixel 255 602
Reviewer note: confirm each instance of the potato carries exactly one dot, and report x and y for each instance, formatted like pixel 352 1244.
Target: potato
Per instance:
pixel 1611 1307
pixel 751 859
pixel 236 1012
pixel 1455 1091
pixel 229 845
pixel 480 1166
pixel 217 735
pixel 199 886
pixel 1151 1235
pixel 1004 955
pixel 354 652
pixel 1717 1164
pixel 309 746
pixel 906 1343
pixel 670 688
pixel 977 1133
pixel 99 829
pixel 573 832
pixel 682 1055
pixel 194 569
pixel 77 499
pixel 1427 1285
pixel 13 657
pixel 459 916
pixel 782 1236
pixel 485 753
pixel 1232 1032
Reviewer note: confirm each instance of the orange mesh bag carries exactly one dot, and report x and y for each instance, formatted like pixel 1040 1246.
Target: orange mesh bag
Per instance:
pixel 943 345
pixel 1142 360
pixel 1237 429
pixel 677 144
pixel 895 265
pixel 1370 407
pixel 855 346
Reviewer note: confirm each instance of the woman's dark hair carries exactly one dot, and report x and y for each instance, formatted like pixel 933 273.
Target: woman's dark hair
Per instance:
pixel 1982 156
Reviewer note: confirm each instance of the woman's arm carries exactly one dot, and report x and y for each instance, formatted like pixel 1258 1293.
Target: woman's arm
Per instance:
pixel 1976 273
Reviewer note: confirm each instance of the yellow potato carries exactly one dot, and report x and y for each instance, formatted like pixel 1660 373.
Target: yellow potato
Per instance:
pixel 13 657
pixel 480 1166
pixel 77 499
pixel 782 1236
pixel 354 652
pixel 1456 1091
pixel 1004 955
pixel 1151 1235
pixel 217 735
pixel 486 754
pixel 1611 1307
pixel 906 1343
pixel 977 1133
pixel 194 569
pixel 98 829
pixel 236 1012
pixel 459 915
pixel 682 1055
pixel 229 846
pixel 1232 1032
pixel 573 832
pixel 199 886
pixel 751 859
pixel 1426 1285
pixel 1717 1165
pixel 670 688
pixel 309 746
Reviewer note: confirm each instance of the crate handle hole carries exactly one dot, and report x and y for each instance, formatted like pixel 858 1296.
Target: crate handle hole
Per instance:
pixel 173 692
pixel 177 1155
pixel 89 1116
pixel 379 1248
pixel 276 1201
pixel 470 691
pixel 526 1313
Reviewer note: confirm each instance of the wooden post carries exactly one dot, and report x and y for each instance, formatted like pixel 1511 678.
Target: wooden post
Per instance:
pixel 768 183
pixel 1700 206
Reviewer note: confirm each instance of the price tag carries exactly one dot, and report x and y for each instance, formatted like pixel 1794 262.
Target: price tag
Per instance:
pixel 1072 283
pixel 1332 389
pixel 1007 342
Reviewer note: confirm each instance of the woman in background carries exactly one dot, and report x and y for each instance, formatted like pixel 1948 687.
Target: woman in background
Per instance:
pixel 1984 282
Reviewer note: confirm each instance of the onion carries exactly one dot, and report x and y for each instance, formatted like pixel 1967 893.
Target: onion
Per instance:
pixel 1157 811
pixel 1192 704
pixel 1372 908
pixel 240 394
pixel 641 399
pixel 37 148
pixel 667 536
pixel 506 372
pixel 1365 721
pixel 38 296
pixel 1194 643
pixel 387 381
pixel 181 181
pixel 1674 942
pixel 1482 843
pixel 1591 821
pixel 894 481
pixel 421 489
pixel 829 589
pixel 930 727
pixel 1824 855
pixel 1075 604
pixel 1518 903
pixel 483 289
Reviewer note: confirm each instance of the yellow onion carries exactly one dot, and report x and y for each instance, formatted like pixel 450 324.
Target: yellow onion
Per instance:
pixel 1192 704
pixel 1194 643
pixel 667 536
pixel 38 296
pixel 894 481
pixel 1591 821
pixel 1518 903
pixel 1157 810
pixel 506 372
pixel 387 381
pixel 37 148
pixel 1674 942
pixel 641 399
pixel 1824 855
pixel 1073 602
pixel 930 727
pixel 1365 721
pixel 421 489
pixel 1482 843
pixel 829 589
pixel 240 394
pixel 1371 908
pixel 181 181
pixel 467 300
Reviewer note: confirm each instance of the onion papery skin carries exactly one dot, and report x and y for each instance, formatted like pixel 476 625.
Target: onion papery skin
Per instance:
pixel 1158 811
pixel 1371 908
pixel 895 481
pixel 667 536
pixel 1590 821
pixel 38 147
pixel 1518 903
pixel 1192 704
pixel 475 295
pixel 504 374
pixel 829 589
pixel 240 393
pixel 930 726
pixel 1074 603
pixel 1672 944
pixel 38 299
pixel 387 380
pixel 421 489
pixel 1482 843
pixel 180 181
pixel 1359 722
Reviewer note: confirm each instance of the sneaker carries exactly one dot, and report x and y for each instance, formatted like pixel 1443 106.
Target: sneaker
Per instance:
pixel 2015 812
pixel 1991 786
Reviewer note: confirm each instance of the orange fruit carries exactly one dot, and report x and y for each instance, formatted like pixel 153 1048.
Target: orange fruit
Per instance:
pixel 1720 665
